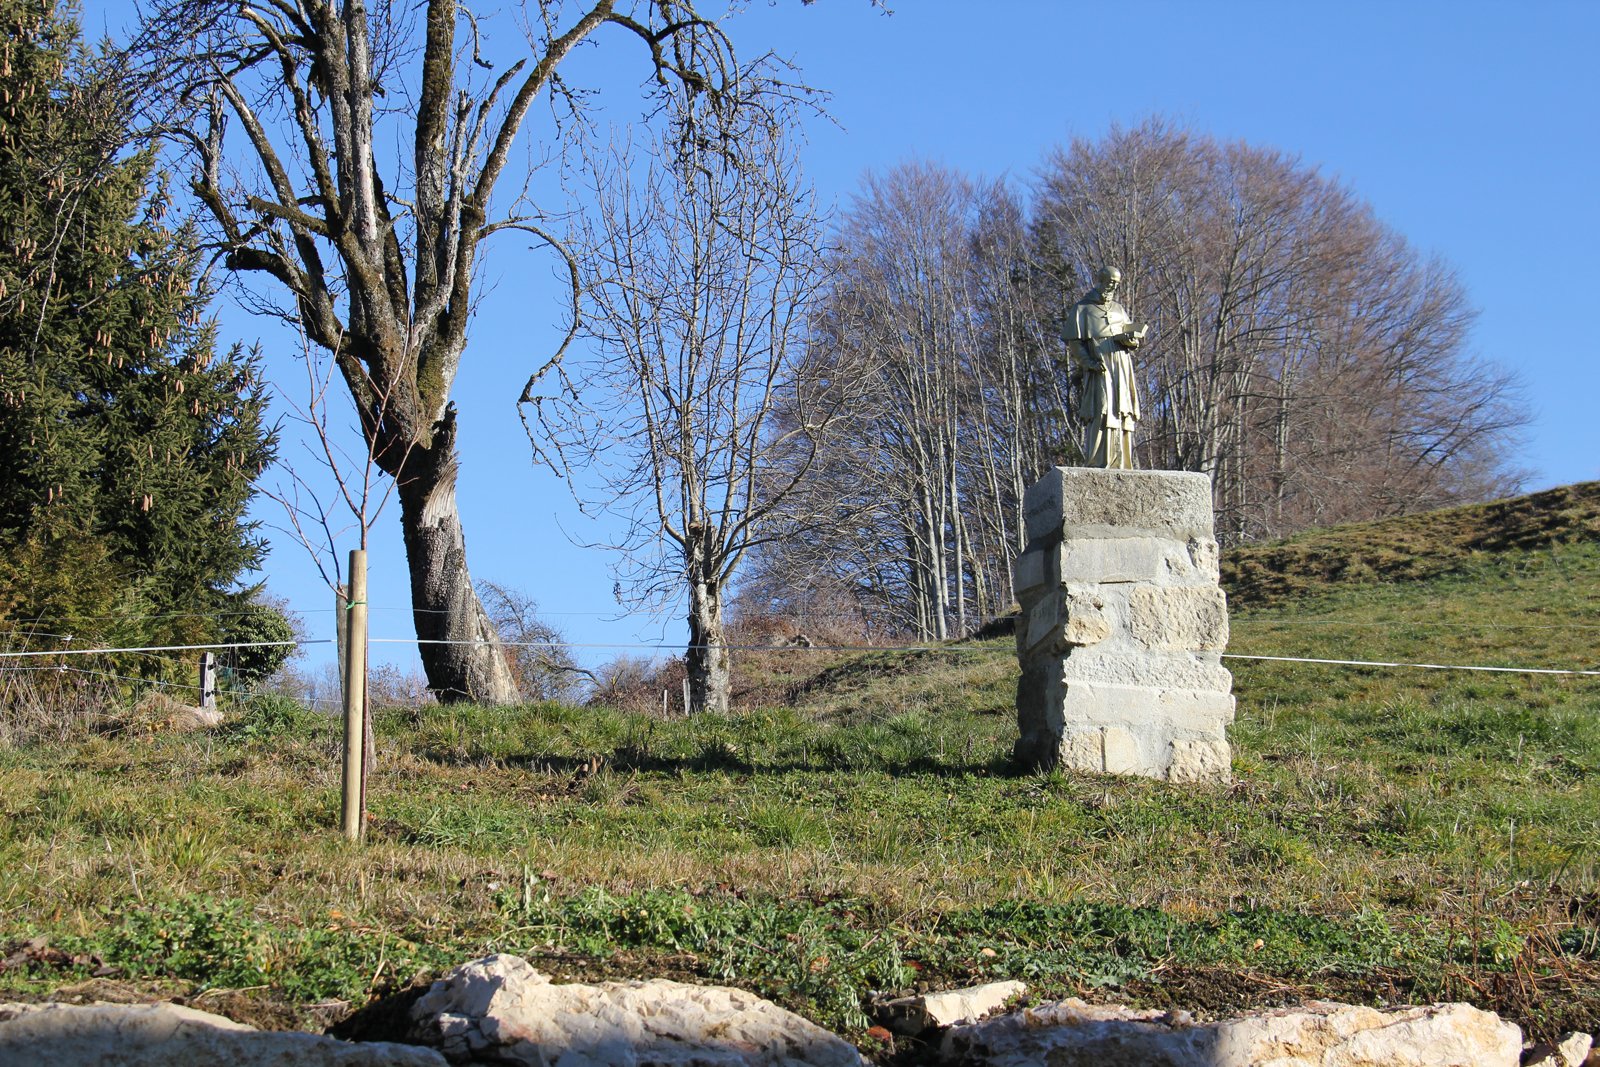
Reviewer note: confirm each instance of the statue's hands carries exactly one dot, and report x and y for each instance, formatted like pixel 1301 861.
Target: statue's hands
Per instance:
pixel 1128 341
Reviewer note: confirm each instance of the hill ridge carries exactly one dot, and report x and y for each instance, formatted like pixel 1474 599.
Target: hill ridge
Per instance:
pixel 1408 547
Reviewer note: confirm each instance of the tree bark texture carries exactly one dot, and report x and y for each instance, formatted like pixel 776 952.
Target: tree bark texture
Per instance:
pixel 707 657
pixel 460 648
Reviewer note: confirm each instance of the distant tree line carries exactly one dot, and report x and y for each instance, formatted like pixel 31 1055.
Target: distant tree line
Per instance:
pixel 1302 355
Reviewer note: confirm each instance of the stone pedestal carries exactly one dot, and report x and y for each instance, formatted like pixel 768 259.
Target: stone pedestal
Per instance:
pixel 1123 626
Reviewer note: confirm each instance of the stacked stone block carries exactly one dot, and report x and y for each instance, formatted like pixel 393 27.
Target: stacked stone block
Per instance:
pixel 1122 628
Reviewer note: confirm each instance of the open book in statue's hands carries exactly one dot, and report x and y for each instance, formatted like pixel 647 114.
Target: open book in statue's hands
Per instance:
pixel 1132 335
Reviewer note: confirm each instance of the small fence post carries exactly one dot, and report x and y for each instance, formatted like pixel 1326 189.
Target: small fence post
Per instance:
pixel 687 710
pixel 208 681
pixel 352 814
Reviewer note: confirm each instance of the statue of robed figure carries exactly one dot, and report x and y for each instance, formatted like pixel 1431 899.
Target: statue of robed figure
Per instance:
pixel 1100 336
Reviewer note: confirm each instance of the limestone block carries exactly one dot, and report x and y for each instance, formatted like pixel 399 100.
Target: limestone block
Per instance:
pixel 500 1010
pixel 1187 711
pixel 1121 751
pixel 1083 750
pixel 1087 622
pixel 1032 570
pixel 913 1015
pixel 1185 617
pixel 1041 622
pixel 170 1035
pixel 1039 713
pixel 1118 750
pixel 1199 760
pixel 1161 560
pixel 1083 502
pixel 1206 558
pixel 1157 670
pixel 1075 618
pixel 1318 1034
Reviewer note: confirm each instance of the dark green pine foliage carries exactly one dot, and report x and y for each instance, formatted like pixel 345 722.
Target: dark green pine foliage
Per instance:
pixel 127 445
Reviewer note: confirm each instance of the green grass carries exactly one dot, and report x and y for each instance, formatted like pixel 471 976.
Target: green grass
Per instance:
pixel 1392 834
pixel 1410 547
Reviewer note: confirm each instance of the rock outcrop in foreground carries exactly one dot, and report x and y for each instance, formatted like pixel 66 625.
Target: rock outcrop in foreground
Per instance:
pixel 499 1010
pixel 1073 1033
pixel 170 1035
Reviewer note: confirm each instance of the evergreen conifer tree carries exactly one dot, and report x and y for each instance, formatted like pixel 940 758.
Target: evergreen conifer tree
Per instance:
pixel 127 444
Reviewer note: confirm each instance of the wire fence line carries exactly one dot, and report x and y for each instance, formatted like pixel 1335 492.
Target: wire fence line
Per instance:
pixel 23 628
pixel 62 668
pixel 164 648
pixel 660 647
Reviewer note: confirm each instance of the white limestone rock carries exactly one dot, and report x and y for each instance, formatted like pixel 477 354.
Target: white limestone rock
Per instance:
pixel 1572 1050
pixel 1122 560
pixel 1085 502
pixel 1195 712
pixel 1195 759
pixel 1159 670
pixel 1206 558
pixel 1193 618
pixel 500 1010
pixel 169 1035
pixel 1083 750
pixel 1074 618
pixel 913 1015
pixel 1318 1034
pixel 1120 752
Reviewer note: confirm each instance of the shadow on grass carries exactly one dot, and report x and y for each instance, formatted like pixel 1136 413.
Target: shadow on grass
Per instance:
pixel 726 761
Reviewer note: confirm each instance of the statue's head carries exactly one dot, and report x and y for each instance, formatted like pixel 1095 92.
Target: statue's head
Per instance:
pixel 1109 279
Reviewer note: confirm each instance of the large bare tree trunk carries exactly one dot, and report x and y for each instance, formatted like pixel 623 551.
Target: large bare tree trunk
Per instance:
pixel 461 652
pixel 707 655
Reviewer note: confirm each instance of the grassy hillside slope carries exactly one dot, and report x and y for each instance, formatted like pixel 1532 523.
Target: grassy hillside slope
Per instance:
pixel 1410 547
pixel 1393 834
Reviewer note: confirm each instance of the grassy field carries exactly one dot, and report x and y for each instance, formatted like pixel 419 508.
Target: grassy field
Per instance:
pixel 1392 835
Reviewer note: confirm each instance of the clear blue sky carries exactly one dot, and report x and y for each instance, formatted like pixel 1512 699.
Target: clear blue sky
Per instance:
pixel 1470 126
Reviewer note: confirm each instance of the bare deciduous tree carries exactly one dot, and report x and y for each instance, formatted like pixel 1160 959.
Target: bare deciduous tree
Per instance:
pixel 537 650
pixel 1302 355
pixel 697 281
pixel 354 151
pixel 918 504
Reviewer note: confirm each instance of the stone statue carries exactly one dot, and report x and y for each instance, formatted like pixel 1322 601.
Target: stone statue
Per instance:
pixel 1099 337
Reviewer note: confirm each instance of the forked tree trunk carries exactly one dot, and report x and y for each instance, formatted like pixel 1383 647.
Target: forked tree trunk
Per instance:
pixel 471 663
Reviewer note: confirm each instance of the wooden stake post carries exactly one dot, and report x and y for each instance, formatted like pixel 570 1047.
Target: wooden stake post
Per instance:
pixel 352 816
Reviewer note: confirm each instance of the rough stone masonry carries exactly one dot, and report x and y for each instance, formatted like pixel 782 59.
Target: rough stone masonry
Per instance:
pixel 1122 628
